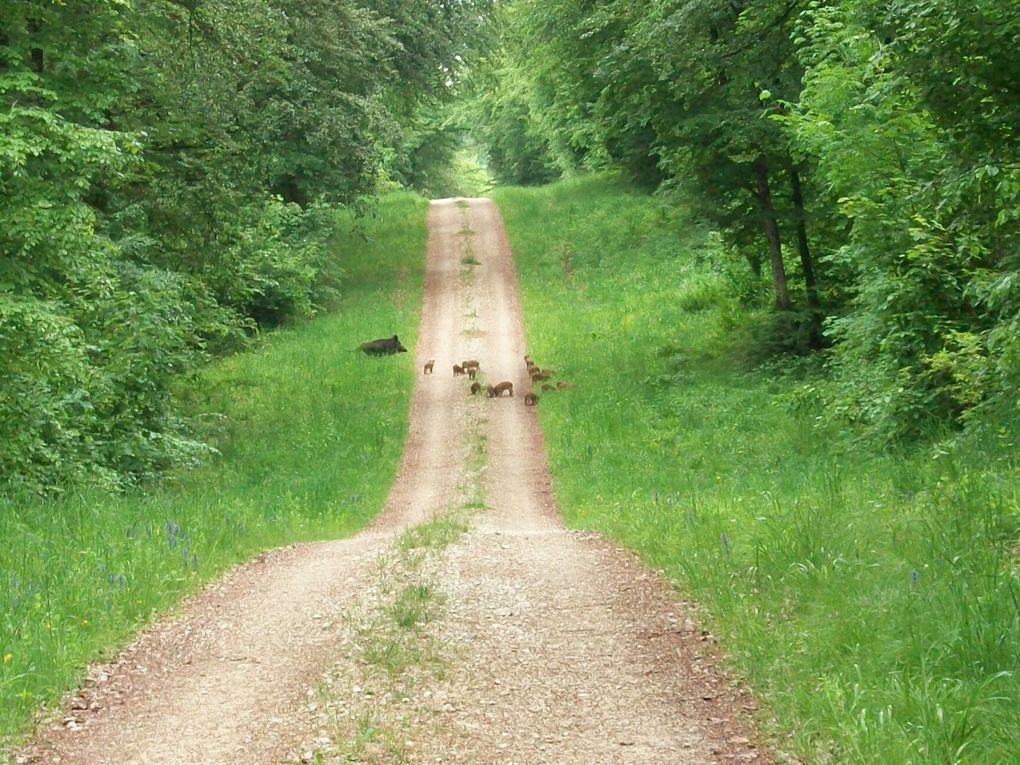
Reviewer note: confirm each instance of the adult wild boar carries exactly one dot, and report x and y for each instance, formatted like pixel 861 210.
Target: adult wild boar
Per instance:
pixel 383 347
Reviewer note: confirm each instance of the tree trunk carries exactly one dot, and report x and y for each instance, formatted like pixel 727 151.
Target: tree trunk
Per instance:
pixel 289 187
pixel 36 54
pixel 806 264
pixel 772 234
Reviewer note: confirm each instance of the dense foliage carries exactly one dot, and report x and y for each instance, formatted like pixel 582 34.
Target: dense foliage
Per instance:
pixel 168 171
pixel 860 156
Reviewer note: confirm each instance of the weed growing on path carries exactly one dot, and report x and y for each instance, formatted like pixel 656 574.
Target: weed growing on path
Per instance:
pixel 375 711
pixel 467 258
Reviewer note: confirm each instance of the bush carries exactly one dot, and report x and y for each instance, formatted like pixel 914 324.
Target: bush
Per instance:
pixel 43 402
pixel 277 269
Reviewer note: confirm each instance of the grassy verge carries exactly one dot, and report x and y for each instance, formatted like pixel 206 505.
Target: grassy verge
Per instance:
pixel 309 433
pixel 872 599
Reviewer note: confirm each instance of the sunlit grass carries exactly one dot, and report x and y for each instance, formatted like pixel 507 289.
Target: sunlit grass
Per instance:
pixel 310 432
pixel 871 599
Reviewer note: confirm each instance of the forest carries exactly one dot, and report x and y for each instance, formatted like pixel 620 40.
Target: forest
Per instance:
pixel 169 175
pixel 827 193
pixel 861 155
pixel 170 168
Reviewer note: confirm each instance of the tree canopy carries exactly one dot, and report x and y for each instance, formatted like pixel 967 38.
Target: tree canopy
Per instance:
pixel 169 171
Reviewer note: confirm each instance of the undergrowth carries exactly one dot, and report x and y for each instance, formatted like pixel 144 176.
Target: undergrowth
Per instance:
pixel 872 598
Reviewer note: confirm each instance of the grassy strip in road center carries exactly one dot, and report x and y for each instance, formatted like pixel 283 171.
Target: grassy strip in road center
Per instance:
pixel 375 705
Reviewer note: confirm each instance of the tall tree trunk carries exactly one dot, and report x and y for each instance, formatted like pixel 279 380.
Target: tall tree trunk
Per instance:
pixel 772 234
pixel 36 54
pixel 806 264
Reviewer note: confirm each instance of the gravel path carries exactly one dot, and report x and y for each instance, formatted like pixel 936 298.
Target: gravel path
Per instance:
pixel 510 640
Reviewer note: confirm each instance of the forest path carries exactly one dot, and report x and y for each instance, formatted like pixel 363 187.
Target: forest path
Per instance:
pixel 467 625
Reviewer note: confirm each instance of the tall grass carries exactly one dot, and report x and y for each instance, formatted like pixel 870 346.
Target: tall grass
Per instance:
pixel 872 599
pixel 309 433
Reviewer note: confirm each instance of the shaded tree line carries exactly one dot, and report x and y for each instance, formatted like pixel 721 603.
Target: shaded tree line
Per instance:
pixel 861 157
pixel 168 175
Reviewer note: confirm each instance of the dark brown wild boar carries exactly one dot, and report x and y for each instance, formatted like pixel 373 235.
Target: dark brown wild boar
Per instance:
pixel 383 347
pixel 495 391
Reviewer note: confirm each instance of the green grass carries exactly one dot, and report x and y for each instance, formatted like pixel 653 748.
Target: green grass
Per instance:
pixel 414 605
pixel 872 600
pixel 309 432
pixel 436 533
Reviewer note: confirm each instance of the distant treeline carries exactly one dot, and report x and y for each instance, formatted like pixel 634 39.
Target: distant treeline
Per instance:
pixel 169 170
pixel 860 157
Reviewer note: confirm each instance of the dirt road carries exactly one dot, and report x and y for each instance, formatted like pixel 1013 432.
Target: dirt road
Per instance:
pixel 466 626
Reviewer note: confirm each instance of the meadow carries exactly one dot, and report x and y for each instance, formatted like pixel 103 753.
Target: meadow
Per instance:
pixel 307 435
pixel 870 595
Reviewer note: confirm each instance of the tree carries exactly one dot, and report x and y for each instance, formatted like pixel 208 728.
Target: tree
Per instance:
pixel 86 343
pixel 930 195
pixel 673 92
